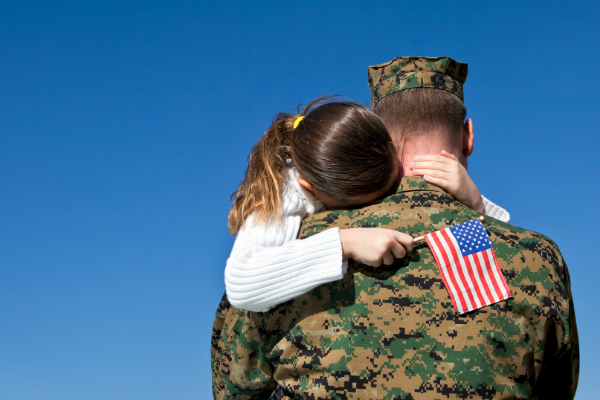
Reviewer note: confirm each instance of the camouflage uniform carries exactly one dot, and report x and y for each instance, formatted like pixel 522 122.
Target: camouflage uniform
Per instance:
pixel 392 332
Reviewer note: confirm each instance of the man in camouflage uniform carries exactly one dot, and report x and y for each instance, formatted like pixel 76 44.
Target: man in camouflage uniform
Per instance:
pixel 392 332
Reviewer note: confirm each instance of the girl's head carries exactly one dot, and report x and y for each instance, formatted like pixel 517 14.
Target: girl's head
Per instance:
pixel 342 151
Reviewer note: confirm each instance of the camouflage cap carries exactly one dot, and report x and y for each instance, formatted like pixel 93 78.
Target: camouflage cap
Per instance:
pixel 416 72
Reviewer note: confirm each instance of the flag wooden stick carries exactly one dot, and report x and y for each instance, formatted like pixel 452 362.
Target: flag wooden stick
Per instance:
pixel 422 238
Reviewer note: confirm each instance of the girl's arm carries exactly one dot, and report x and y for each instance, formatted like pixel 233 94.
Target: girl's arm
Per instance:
pixel 448 173
pixel 269 266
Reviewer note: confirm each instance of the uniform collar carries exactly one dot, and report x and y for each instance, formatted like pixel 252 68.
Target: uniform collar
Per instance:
pixel 416 184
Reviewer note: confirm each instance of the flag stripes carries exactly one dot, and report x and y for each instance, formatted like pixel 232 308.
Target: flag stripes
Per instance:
pixel 473 280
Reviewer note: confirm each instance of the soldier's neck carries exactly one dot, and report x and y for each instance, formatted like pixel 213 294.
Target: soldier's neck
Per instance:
pixel 414 148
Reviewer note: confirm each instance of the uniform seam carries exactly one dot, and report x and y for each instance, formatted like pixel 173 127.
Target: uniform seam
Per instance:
pixel 234 321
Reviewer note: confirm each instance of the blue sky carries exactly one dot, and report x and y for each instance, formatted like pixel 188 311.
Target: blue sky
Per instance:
pixel 125 126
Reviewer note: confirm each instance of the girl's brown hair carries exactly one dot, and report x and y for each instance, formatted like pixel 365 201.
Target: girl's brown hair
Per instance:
pixel 341 148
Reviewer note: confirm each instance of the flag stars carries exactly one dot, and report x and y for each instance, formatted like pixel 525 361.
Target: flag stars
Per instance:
pixel 471 237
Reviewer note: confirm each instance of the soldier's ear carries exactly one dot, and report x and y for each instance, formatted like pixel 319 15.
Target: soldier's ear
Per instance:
pixel 468 137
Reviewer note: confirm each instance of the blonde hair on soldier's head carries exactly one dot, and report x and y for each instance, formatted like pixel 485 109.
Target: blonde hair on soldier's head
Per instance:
pixel 340 148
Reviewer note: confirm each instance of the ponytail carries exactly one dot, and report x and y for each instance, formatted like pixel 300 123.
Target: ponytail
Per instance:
pixel 340 148
pixel 259 193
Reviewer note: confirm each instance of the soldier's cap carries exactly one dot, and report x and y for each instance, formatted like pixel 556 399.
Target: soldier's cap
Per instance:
pixel 417 72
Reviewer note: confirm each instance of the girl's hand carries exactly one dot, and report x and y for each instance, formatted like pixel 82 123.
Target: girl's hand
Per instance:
pixel 374 246
pixel 448 173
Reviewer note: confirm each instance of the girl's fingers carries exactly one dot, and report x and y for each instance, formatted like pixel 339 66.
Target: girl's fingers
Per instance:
pixel 444 184
pixel 371 263
pixel 405 240
pixel 430 165
pixel 433 172
pixel 432 157
pixel 449 155
pixel 388 258
pixel 398 250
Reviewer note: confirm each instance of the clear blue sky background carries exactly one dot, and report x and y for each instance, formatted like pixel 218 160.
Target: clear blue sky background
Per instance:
pixel 125 126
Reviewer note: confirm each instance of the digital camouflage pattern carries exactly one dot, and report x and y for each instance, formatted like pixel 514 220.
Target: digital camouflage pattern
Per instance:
pixel 417 72
pixel 392 332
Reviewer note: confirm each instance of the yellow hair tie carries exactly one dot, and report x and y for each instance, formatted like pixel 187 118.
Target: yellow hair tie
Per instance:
pixel 297 121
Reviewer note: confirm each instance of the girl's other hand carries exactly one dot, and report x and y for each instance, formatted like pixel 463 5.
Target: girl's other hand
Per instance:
pixel 448 173
pixel 374 246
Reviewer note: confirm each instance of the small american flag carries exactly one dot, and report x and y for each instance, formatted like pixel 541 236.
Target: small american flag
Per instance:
pixel 468 265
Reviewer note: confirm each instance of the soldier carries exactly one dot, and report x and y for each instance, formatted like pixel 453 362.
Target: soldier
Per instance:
pixel 392 332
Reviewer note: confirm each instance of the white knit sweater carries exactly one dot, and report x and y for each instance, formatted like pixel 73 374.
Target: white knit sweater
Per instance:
pixel 269 266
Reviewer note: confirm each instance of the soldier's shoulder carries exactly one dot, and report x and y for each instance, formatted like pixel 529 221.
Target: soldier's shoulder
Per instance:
pixel 323 220
pixel 223 307
pixel 517 236
pixel 523 253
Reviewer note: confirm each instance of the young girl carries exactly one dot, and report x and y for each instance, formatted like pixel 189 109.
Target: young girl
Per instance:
pixel 333 155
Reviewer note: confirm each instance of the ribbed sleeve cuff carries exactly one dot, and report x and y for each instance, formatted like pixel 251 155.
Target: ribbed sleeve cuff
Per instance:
pixel 495 211
pixel 277 274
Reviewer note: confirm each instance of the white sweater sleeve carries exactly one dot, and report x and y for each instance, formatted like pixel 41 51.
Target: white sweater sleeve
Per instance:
pixel 269 266
pixel 494 210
